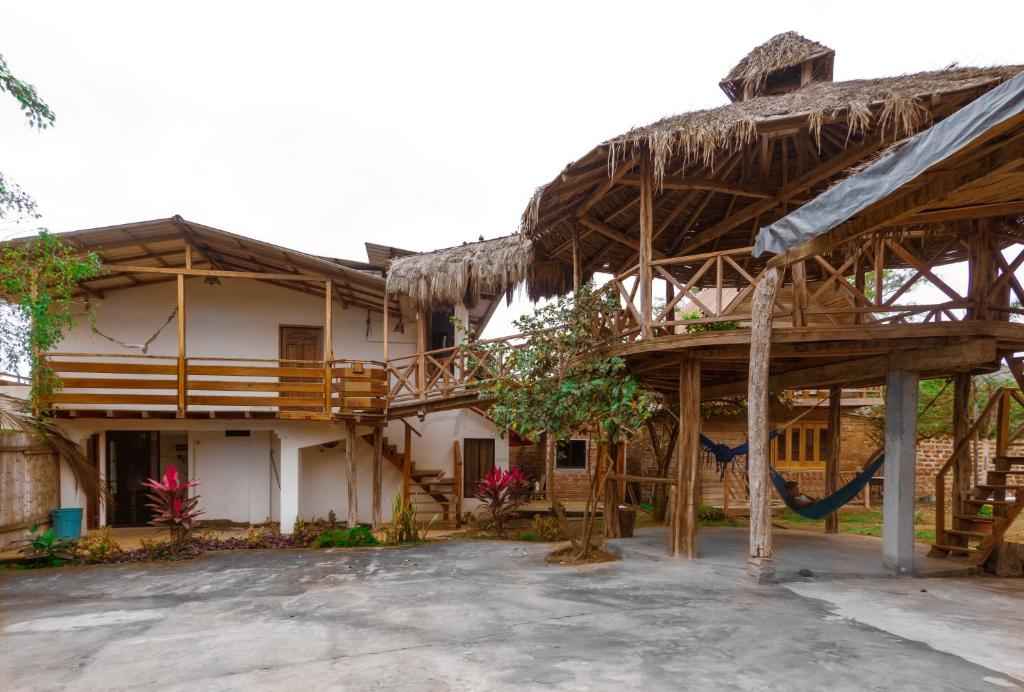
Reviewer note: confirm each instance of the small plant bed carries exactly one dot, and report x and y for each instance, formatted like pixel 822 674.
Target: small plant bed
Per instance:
pixel 569 556
pixel 863 522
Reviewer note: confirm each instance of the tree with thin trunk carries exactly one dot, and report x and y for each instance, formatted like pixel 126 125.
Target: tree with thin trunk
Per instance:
pixel 557 382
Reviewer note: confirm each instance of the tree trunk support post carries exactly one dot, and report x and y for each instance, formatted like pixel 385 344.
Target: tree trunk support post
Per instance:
pixel 646 237
pixel 835 437
pixel 457 481
pixel 683 530
pixel 900 457
pixel 760 561
pixel 962 481
pixel 350 473
pixel 378 465
pixel 407 464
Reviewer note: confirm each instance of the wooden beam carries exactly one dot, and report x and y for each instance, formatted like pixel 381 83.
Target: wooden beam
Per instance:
pixel 812 177
pixel 421 349
pixel 615 234
pixel 265 276
pixel 687 496
pixel 962 481
pixel 955 356
pixel 328 342
pixel 350 473
pixel 407 464
pixel 577 273
pixel 378 455
pixel 710 184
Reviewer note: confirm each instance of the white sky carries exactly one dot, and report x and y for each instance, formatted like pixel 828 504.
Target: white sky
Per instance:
pixel 320 126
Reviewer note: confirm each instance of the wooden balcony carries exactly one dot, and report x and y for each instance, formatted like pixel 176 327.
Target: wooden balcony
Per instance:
pixel 147 386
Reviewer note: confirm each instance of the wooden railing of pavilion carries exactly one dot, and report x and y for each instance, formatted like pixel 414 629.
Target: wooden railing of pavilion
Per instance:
pixel 253 386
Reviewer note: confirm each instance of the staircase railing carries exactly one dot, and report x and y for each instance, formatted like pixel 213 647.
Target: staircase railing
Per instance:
pixel 1001 399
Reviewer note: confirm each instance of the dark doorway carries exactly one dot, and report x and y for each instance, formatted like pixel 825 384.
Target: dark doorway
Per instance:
pixel 442 331
pixel 478 460
pixel 132 457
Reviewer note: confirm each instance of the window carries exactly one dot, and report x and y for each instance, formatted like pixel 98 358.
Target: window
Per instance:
pixel 571 454
pixel 805 444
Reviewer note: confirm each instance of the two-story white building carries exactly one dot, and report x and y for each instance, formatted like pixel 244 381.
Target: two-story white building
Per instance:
pixel 262 371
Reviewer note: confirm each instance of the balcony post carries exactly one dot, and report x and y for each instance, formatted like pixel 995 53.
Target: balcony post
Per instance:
pixel 328 343
pixel 645 251
pixel 421 349
pixel 378 455
pixel 182 370
pixel 835 436
pixel 350 473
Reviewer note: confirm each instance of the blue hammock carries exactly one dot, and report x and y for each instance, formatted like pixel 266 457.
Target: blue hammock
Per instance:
pixel 724 454
pixel 826 505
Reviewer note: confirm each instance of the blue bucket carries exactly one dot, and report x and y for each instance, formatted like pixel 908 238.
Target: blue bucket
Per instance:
pixel 67 523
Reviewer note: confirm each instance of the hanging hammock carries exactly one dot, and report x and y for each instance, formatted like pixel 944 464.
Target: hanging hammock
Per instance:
pixel 144 346
pixel 724 455
pixel 826 505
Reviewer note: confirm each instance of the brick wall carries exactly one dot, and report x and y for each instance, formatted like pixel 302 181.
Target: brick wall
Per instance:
pixel 571 485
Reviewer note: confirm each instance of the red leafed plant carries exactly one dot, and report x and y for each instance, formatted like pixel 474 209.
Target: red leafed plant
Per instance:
pixel 502 492
pixel 172 506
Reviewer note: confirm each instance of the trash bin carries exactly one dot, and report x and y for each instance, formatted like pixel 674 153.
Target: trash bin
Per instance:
pixel 627 520
pixel 67 523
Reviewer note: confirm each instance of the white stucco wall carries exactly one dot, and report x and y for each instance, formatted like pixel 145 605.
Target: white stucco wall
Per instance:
pixel 241 476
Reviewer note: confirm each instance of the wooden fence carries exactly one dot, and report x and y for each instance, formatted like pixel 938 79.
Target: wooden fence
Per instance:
pixel 29 486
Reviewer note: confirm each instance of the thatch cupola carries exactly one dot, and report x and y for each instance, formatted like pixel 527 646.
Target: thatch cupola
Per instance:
pixel 780 65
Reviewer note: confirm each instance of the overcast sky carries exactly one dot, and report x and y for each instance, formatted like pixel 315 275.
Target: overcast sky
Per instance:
pixel 423 124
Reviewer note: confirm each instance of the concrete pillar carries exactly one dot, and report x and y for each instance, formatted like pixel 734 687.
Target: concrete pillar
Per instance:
pixel 290 477
pixel 900 457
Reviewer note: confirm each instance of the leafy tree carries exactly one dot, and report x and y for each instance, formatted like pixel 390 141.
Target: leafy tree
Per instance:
pixel 41 274
pixel 13 200
pixel 558 383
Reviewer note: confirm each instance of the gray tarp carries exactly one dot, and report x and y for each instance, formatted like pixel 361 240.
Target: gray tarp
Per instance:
pixel 893 170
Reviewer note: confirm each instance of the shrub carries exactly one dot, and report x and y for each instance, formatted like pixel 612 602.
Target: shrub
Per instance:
pixel 96 547
pixel 706 513
pixel 404 528
pixel 527 536
pixel 546 528
pixel 172 506
pixel 45 549
pixel 355 537
pixel 501 493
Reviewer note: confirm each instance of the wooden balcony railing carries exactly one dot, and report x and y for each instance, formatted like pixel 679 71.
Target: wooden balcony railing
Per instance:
pixel 290 389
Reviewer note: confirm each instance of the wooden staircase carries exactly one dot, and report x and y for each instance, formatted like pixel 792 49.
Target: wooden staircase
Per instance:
pixel 430 490
pixel 976 532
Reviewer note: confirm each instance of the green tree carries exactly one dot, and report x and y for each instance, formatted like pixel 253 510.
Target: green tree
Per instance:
pixel 558 383
pixel 40 274
pixel 15 202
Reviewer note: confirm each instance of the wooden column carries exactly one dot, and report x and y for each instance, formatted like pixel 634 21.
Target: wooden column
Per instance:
pixel 457 482
pixel 577 270
pixel 182 370
pixel 761 557
pixel 607 471
pixel 407 464
pixel 385 327
pixel 835 435
pixel 421 349
pixel 684 527
pixel 328 342
pixel 646 236
pixel 859 283
pixel 462 326
pixel 378 465
pixel 799 294
pixel 350 473
pixel 962 481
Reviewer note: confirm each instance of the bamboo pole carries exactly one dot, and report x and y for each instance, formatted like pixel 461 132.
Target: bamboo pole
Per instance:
pixel 646 237
pixel 421 349
pixel 577 273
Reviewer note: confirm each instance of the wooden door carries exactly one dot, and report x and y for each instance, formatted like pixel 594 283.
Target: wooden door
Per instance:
pixel 92 516
pixel 477 462
pixel 302 347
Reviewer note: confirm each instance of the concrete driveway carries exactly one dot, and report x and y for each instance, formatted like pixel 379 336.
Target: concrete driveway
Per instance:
pixel 486 615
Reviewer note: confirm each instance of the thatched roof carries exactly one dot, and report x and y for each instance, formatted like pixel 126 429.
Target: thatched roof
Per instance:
pixel 711 166
pixel 779 53
pixel 461 274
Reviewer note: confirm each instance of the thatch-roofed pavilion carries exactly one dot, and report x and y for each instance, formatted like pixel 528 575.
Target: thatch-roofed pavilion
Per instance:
pixel 676 206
